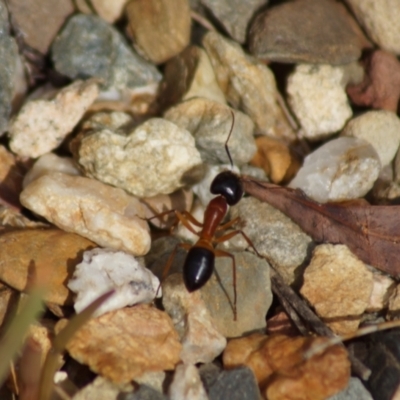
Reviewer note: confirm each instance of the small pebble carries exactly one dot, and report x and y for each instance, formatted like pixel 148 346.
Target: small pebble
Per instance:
pixel 338 285
pixel 394 303
pixel 89 47
pixel 41 125
pixel 152 159
pixel 355 391
pixel 210 124
pixel 379 128
pixel 342 169
pixel 160 28
pixel 102 270
pixel 382 288
pixel 152 379
pixel 104 214
pixel 110 11
pixel 124 344
pixel 8 301
pixel 103 389
pixel 187 384
pixel 201 341
pixel 317 96
pixel 143 393
pixel 275 237
pixel 248 85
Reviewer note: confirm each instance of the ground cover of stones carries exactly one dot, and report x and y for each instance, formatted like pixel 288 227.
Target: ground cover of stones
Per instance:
pixel 114 112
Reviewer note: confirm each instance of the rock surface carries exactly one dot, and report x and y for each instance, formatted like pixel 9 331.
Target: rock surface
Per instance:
pixel 187 384
pixel 104 214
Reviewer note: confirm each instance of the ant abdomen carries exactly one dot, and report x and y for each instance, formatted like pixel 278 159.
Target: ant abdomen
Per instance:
pixel 228 185
pixel 198 267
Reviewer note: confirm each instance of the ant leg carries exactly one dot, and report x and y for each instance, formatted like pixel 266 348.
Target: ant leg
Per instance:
pixel 221 253
pixel 190 218
pixel 186 218
pixel 228 224
pixel 234 233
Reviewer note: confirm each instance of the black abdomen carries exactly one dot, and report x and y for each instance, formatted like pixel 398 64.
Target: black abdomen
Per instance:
pixel 198 268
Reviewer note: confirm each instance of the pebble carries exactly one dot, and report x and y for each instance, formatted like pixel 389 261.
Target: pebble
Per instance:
pixel 29 19
pixel 8 301
pixel 380 87
pixel 187 384
pixel 275 237
pixel 143 393
pixel 102 389
pixel 382 288
pixel 306 31
pixel 102 270
pixel 253 289
pixel 394 303
pixel 234 16
pixel 379 128
pixel 103 214
pixel 189 75
pixel 89 47
pixel 248 85
pixel 210 123
pixel 8 69
pixel 110 11
pixel 201 341
pixel 123 344
pixel 317 96
pixel 342 169
pixel 355 391
pixel 338 285
pixel 41 125
pixel 48 163
pixel 48 254
pixel 152 159
pixel 160 29
pixel 381 21
pixel 152 379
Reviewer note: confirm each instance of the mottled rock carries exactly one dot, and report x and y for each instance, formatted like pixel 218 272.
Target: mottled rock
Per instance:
pixel 381 21
pixel 49 255
pixel 305 31
pixel 210 123
pixel 275 236
pixel 317 96
pixel 379 128
pixel 342 169
pixel 201 341
pixel 382 288
pixel 122 345
pixel 30 16
pixel 338 285
pixel 102 270
pixel 188 75
pixel 355 391
pixel 152 159
pixel 104 214
pixel 235 15
pixel 89 47
pixel 160 28
pixel 41 125
pixel 152 379
pixel 187 384
pixel 247 84
pixel 380 87
pixel 103 389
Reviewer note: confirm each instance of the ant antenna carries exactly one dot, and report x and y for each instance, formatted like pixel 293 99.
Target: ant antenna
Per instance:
pixel 227 140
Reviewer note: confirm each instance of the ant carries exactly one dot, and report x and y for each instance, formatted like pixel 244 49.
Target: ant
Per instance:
pixel 200 260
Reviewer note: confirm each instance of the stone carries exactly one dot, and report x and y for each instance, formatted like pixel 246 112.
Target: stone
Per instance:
pixel 104 214
pixel 380 88
pixel 275 237
pixel 210 123
pixel 41 125
pixel 9 68
pixel 189 75
pixel 275 158
pixel 342 169
pixel 338 285
pixel 394 303
pixel 39 21
pixel 103 389
pixel 201 341
pixel 102 270
pixel 234 16
pixel 8 301
pixel 382 288
pixel 381 21
pixel 253 288
pixel 143 393
pixel 160 29
pixel 317 96
pixel 123 344
pixel 110 11
pixel 152 159
pixel 379 128
pixel 187 384
pixel 355 391
pixel 47 255
pixel 306 31
pixel 89 47
pixel 152 379
pixel 247 85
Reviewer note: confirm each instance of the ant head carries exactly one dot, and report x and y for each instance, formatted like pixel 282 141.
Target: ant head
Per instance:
pixel 228 185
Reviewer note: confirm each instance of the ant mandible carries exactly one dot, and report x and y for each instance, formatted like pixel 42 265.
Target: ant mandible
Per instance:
pixel 200 260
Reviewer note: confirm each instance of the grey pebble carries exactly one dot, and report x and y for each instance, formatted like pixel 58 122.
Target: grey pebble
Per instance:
pixel 354 391
pixel 143 393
